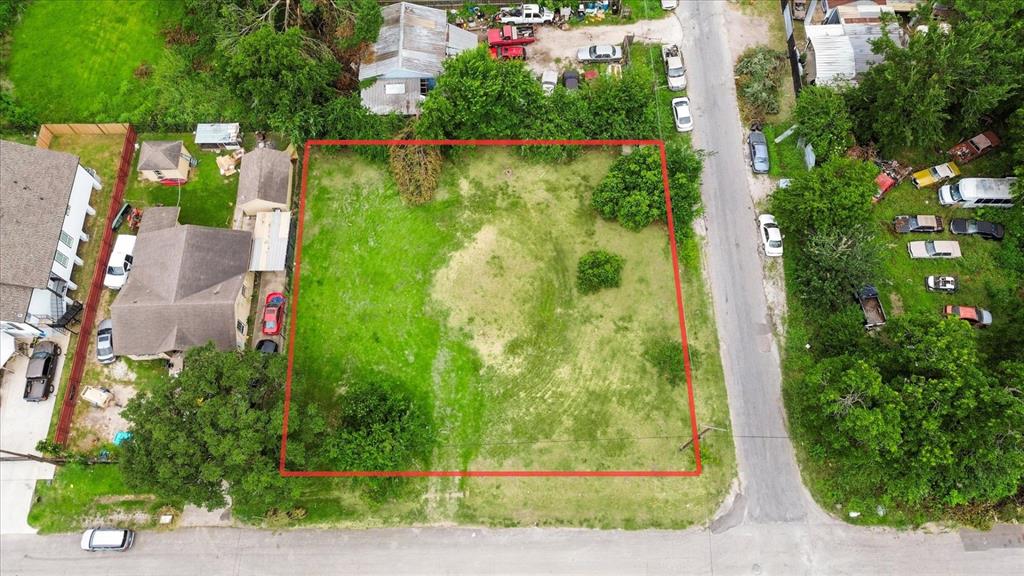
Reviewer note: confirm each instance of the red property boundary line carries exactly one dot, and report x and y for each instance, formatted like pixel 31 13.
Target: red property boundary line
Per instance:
pixel 67 409
pixel 489 473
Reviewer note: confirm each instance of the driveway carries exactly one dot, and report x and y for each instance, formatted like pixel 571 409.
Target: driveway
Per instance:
pixel 556 48
pixel 22 425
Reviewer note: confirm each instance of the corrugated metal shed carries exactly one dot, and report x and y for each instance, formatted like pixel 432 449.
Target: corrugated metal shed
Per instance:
pixel 413 42
pixel 218 134
pixel 270 241
pixel 833 57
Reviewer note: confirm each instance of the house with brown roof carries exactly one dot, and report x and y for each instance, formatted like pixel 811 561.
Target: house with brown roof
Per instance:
pixel 44 200
pixel 189 285
pixel 164 161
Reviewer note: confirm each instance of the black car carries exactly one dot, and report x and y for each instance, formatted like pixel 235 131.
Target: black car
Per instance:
pixel 758 152
pixel 571 80
pixel 267 346
pixel 41 367
pixel 987 230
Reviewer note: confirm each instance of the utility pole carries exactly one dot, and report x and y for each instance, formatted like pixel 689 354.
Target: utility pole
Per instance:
pixel 794 57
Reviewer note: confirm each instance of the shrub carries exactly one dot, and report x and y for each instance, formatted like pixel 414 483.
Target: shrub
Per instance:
pixel 823 121
pixel 834 262
pixel 666 356
pixel 416 170
pixel 597 270
pixel 837 195
pixel 758 79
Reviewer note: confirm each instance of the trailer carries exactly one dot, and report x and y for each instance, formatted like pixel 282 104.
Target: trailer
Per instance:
pixel 871 305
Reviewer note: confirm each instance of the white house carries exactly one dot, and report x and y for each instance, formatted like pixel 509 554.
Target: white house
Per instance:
pixel 407 58
pixel 44 199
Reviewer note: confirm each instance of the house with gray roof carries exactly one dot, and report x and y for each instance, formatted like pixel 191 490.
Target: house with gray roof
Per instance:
pixel 164 161
pixel 265 181
pixel 44 200
pixel 407 57
pixel 189 285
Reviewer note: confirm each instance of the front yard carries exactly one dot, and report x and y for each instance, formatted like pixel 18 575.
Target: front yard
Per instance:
pixel 470 299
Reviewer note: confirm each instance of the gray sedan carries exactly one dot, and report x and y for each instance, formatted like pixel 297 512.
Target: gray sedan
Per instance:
pixel 758 152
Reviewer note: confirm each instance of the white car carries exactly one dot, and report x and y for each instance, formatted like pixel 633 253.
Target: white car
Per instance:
pixel 681 113
pixel 934 249
pixel 669 4
pixel 771 235
pixel 548 81
pixel 599 53
pixel 120 262
pixel 107 539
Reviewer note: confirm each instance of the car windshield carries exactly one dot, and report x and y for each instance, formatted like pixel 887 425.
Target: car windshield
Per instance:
pixel 775 243
pixel 675 72
pixel 115 270
pixel 954 193
pixel 930 248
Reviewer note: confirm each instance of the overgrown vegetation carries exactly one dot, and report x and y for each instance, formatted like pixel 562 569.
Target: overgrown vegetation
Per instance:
pixel 759 73
pixel 597 270
pixel 823 121
pixel 416 170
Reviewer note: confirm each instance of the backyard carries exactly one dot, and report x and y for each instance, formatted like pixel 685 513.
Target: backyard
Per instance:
pixel 87 63
pixel 471 300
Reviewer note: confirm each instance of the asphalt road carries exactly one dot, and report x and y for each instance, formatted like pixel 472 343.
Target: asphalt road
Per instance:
pixel 769 477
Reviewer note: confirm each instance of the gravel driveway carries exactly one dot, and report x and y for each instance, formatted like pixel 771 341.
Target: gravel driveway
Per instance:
pixel 556 48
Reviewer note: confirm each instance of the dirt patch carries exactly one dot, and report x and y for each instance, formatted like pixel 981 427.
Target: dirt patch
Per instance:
pixel 775 293
pixel 97 426
pixel 896 303
pixel 745 30
pixel 556 48
pixel 126 498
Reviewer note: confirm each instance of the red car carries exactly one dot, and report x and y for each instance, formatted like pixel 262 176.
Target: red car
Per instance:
pixel 273 314
pixel 974 316
pixel 509 35
pixel 508 52
pixel 972 148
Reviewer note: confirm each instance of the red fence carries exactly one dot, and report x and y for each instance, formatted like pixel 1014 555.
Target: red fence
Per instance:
pixel 67 409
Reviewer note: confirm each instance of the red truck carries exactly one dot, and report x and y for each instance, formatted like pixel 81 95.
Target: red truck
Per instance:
pixel 509 35
pixel 972 148
pixel 508 52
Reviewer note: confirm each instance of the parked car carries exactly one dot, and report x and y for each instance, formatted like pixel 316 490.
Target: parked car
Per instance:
pixel 599 53
pixel 105 342
pixel 508 52
pixel 974 316
pixel 267 346
pixel 510 35
pixel 771 235
pixel 675 71
pixel 985 229
pixel 681 113
pixel 548 81
pixel 934 249
pixel 120 262
pixel 935 174
pixel 758 152
pixel 978 193
pixel 946 284
pixel 39 376
pixel 972 148
pixel 107 539
pixel 273 313
pixel 919 223
pixel 669 4
pixel 571 80
pixel 871 305
pixel 526 14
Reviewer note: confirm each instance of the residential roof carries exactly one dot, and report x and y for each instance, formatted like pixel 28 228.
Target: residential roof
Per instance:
pixel 413 42
pixel 160 154
pixel 158 218
pixel 264 176
pixel 182 289
pixel 218 133
pixel 270 241
pixel 834 59
pixel 35 187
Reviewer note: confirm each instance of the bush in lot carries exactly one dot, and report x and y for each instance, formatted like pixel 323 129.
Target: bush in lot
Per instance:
pixel 416 170
pixel 597 270
pixel 837 195
pixel 666 356
pixel 823 121
pixel 834 262
pixel 633 191
pixel 758 79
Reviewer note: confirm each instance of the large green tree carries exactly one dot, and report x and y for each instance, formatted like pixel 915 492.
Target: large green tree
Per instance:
pixel 823 121
pixel 837 195
pixel 834 262
pixel 213 430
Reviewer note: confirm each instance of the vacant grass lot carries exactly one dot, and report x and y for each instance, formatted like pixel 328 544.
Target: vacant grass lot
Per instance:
pixel 76 61
pixel 208 199
pixel 471 299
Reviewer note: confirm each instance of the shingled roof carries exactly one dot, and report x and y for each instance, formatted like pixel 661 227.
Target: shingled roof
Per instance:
pixel 160 154
pixel 35 187
pixel 182 288
pixel 264 176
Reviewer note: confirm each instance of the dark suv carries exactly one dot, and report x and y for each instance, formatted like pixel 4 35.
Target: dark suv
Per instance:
pixel 41 366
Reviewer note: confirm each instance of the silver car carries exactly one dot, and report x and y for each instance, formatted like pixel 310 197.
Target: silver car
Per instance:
pixel 105 343
pixel 758 152
pixel 599 53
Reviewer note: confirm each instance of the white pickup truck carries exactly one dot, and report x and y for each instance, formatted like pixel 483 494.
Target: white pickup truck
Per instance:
pixel 674 68
pixel 526 14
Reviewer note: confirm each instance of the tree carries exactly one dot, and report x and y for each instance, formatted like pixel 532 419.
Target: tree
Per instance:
pixel 837 195
pixel 416 170
pixel 282 79
pixel 598 270
pixel 218 422
pixel 823 121
pixel 834 262
pixel 621 107
pixel 633 191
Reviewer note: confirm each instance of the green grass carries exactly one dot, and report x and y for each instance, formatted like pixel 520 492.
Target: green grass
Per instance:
pixel 786 159
pixel 76 62
pixel 208 199
pixel 649 56
pixel 80 496
pixel 470 300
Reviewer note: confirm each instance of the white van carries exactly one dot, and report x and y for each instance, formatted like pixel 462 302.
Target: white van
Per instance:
pixel 107 539
pixel 120 262
pixel 978 193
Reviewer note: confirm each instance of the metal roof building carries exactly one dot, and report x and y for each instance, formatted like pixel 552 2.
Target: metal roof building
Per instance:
pixel 270 241
pixel 830 56
pixel 408 56
pixel 219 136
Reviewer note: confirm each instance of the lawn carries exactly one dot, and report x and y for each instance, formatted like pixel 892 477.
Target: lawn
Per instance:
pixel 470 299
pixel 78 63
pixel 208 199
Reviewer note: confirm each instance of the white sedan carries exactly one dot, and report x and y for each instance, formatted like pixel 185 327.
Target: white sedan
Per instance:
pixel 681 112
pixel 669 4
pixel 771 235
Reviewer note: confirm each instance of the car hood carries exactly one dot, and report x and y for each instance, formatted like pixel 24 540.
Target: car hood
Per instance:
pixel 583 53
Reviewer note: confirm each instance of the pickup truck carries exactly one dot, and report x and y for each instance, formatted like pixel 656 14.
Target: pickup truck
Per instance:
pixel 972 148
pixel 674 68
pixel 526 14
pixel 871 304
pixel 509 35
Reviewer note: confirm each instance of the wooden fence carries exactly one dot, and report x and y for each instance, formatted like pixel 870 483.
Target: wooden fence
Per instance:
pixel 48 131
